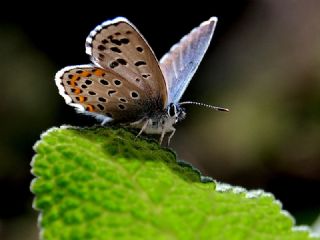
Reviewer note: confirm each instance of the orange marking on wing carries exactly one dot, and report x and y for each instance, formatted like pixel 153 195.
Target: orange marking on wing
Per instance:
pixel 74 79
pixel 98 72
pixel 77 90
pixel 81 99
pixel 90 108
pixel 85 74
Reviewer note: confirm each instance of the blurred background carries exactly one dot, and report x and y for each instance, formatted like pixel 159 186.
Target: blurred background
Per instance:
pixel 263 64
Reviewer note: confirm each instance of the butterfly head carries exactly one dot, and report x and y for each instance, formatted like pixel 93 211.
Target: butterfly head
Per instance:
pixel 175 112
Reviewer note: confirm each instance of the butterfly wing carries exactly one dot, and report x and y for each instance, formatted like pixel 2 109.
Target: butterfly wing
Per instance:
pixel 180 63
pixel 100 93
pixel 117 45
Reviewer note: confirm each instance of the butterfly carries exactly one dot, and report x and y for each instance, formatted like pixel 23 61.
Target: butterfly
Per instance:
pixel 126 84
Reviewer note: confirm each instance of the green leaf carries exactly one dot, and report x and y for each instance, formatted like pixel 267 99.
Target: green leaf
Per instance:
pixel 316 226
pixel 102 183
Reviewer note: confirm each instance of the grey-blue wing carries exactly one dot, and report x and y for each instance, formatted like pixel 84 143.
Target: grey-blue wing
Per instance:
pixel 180 63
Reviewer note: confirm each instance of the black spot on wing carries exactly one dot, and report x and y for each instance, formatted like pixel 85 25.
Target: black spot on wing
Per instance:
pixel 122 61
pixel 113 64
pixel 139 49
pixel 116 49
pixel 140 63
pixel 134 94
pixel 104 82
pixel 146 75
pixel 110 92
pixel 121 106
pixel 88 81
pixel 124 40
pixel 100 106
pixel 101 99
pixel 101 57
pixel 114 41
pixel 117 82
pixel 102 48
pixel 104 41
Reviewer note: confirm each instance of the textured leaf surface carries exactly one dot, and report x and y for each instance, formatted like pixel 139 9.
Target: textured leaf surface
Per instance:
pixel 101 183
pixel 316 226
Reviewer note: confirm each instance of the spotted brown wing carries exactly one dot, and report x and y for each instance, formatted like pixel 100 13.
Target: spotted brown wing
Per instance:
pixel 117 45
pixel 101 93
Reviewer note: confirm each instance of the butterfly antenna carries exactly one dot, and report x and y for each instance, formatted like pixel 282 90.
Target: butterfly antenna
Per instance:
pixel 205 105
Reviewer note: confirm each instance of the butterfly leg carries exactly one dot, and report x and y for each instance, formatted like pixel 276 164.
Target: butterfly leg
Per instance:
pixel 171 135
pixel 144 126
pixel 162 136
pixel 137 123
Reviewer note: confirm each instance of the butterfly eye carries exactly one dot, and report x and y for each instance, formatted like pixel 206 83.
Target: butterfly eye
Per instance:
pixel 172 110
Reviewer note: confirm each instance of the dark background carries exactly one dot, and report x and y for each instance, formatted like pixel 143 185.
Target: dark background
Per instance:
pixel 263 64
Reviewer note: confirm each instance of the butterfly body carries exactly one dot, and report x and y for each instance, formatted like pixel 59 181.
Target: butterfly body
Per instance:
pixel 162 122
pixel 126 84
